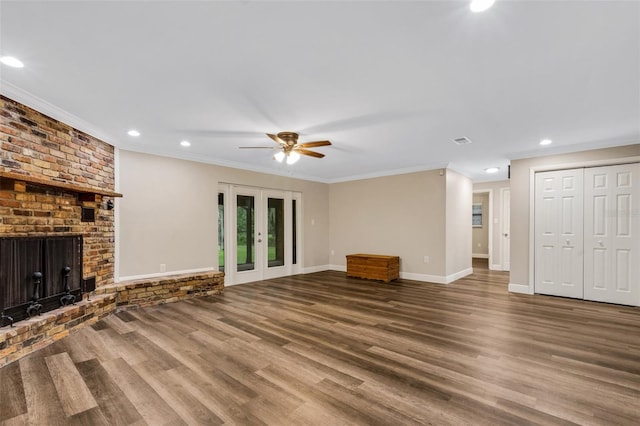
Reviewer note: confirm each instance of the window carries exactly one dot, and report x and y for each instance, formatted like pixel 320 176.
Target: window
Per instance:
pixel 476 216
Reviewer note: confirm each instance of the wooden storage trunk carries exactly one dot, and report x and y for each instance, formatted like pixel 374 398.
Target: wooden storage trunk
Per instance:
pixel 373 267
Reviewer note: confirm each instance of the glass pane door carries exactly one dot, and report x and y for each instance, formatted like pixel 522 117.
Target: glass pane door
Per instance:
pixel 245 228
pixel 275 232
pixel 221 231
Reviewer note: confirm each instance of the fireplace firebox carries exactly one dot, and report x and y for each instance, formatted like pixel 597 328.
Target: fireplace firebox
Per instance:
pixel 39 274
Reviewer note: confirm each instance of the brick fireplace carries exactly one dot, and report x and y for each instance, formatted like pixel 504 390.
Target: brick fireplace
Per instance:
pixel 51 172
pixel 55 186
pixel 56 196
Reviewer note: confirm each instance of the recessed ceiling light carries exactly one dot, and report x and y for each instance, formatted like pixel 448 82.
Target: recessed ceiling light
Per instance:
pixel 185 143
pixel 545 142
pixel 133 132
pixel 492 170
pixel 480 5
pixel 11 61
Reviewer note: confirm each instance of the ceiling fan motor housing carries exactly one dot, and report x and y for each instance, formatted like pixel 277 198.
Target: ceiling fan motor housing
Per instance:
pixel 291 138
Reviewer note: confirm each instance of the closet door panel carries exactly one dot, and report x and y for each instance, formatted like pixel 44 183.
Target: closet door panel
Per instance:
pixel 612 234
pixel 559 233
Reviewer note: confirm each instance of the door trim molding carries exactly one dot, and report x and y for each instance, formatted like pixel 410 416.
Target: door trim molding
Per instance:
pixel 490 230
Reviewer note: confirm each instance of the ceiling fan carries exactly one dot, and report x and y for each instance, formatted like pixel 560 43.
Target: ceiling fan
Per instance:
pixel 290 148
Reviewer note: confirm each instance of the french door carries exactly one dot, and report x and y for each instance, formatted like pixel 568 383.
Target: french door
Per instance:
pixel 261 234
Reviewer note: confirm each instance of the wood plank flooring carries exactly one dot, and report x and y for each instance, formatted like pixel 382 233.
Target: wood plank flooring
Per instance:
pixel 321 349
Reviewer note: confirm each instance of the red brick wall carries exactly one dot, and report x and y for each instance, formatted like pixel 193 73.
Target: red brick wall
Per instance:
pixel 41 147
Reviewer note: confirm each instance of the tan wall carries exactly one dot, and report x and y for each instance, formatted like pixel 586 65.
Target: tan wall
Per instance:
pixel 401 215
pixel 495 219
pixel 521 203
pixel 458 223
pixel 480 236
pixel 169 213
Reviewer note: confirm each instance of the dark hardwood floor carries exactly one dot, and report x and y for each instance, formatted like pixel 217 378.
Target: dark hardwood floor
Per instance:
pixel 325 350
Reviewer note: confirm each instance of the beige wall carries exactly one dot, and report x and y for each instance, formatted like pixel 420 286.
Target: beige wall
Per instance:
pixel 521 203
pixel 412 216
pixel 401 215
pixel 168 214
pixel 458 224
pixel 480 235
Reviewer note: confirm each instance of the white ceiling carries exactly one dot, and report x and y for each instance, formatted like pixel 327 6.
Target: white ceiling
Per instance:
pixel 389 83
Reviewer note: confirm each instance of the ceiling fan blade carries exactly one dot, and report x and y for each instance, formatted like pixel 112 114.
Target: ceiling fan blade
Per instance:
pixel 307 152
pixel 314 144
pixel 277 139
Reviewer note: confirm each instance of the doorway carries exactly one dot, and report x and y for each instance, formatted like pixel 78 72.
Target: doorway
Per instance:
pixel 258 233
pixel 481 223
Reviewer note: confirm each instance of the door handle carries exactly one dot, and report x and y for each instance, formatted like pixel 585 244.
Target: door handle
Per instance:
pixel 600 242
pixel 506 235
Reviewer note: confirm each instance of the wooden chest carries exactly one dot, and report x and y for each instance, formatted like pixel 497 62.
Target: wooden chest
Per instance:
pixel 373 267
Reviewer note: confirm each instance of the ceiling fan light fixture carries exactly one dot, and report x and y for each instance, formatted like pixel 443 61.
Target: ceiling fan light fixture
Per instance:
pixel 279 156
pixel 292 157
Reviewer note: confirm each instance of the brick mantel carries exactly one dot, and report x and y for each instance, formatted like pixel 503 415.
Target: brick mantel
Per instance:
pixel 47 183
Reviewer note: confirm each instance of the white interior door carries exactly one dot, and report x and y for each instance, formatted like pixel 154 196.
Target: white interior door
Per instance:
pixel 506 229
pixel 612 234
pixel 559 233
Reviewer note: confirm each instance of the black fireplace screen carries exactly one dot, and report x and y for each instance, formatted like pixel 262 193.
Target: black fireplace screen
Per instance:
pixel 21 257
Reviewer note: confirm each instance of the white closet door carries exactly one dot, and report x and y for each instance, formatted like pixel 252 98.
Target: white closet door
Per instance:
pixel 559 233
pixel 612 234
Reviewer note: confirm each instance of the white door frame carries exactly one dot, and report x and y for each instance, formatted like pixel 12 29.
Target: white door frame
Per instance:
pixel 532 183
pixel 489 221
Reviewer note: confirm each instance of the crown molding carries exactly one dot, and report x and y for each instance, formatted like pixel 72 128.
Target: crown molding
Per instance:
pixel 403 171
pixel 47 108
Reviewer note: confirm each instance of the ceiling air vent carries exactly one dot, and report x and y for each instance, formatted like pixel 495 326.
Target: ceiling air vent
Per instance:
pixel 462 141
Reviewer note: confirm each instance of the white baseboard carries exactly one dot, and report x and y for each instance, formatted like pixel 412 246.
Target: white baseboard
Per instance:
pixel 480 255
pixel 341 268
pixel 437 279
pixel 495 267
pixel 319 268
pixel 162 274
pixel 460 274
pixel 519 288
